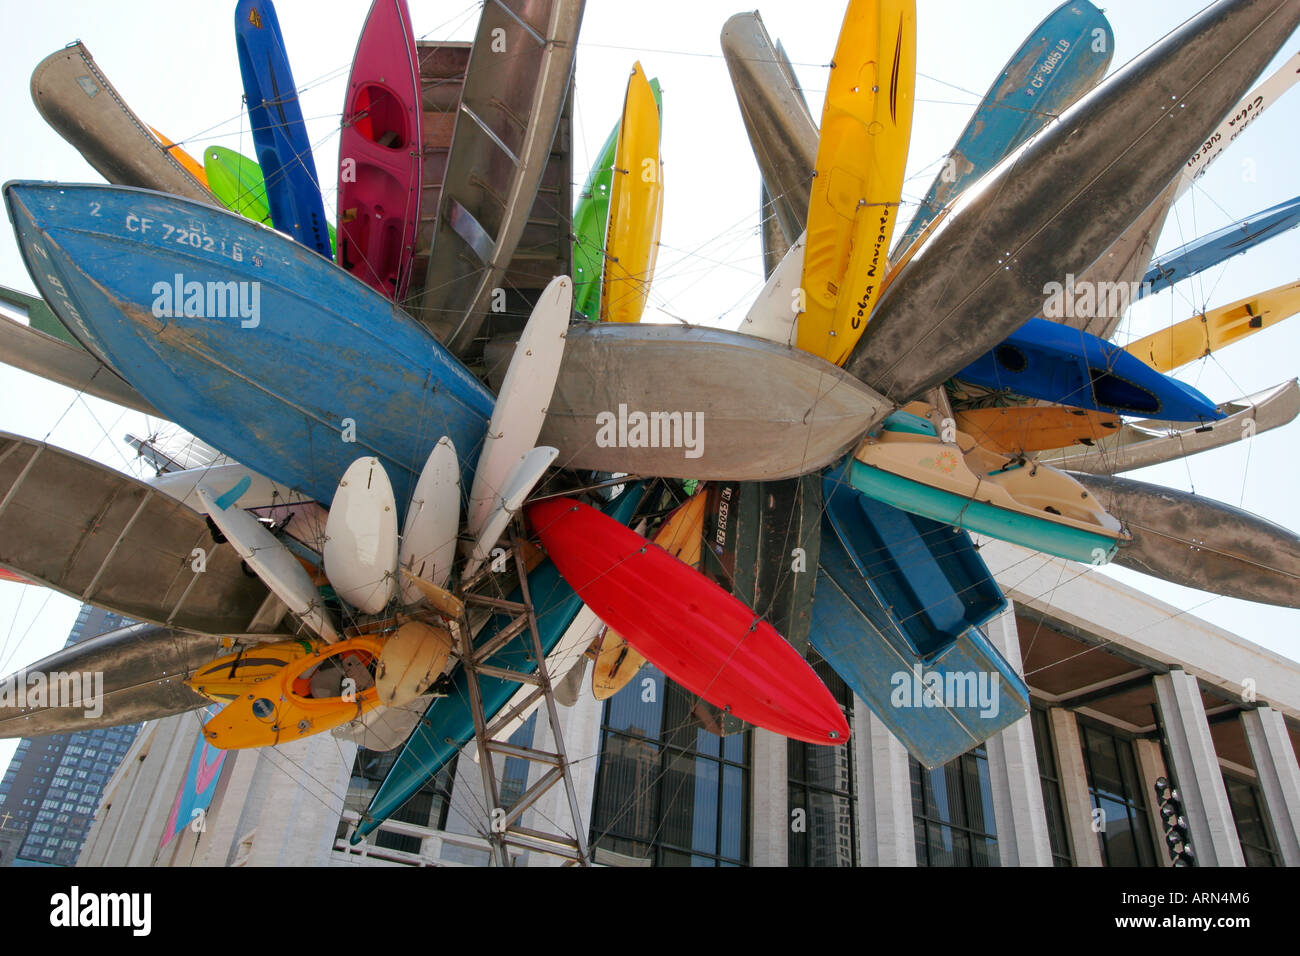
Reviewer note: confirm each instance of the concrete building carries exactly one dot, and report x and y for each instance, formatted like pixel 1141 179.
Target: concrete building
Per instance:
pixel 52 786
pixel 1125 689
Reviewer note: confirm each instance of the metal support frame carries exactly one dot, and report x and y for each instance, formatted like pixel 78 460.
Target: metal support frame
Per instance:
pixel 505 830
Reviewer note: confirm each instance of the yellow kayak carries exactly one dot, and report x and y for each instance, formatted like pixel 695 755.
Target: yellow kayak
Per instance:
pixel 861 159
pixel 192 165
pixel 1197 337
pixel 289 690
pixel 681 535
pixel 636 206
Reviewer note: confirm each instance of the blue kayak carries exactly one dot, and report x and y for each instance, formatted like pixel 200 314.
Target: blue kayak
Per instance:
pixel 926 576
pixel 448 724
pixel 246 338
pixel 279 133
pixel 938 706
pixel 1062 59
pixel 1207 251
pixel 1054 363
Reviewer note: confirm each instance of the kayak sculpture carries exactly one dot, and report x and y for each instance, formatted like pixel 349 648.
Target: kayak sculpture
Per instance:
pixel 408 465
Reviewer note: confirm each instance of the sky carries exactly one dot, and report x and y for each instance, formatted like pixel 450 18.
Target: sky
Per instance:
pixel 175 64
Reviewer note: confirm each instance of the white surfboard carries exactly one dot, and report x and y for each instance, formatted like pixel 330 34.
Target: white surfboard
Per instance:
pixel 521 403
pixel 262 492
pixel 361 537
pixel 514 490
pixel 272 562
pixel 774 314
pixel 412 659
pixel 432 520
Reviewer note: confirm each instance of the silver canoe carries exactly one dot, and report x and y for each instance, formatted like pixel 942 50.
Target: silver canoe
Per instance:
pixel 1054 206
pixel 103 537
pixel 691 402
pixel 516 87
pixel 135 673
pixel 1201 543
pixel 1125 263
pixel 1144 443
pixel 781 128
pixel 76 99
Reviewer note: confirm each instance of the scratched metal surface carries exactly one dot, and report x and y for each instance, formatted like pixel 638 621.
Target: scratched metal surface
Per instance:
pixel 1056 204
pixel 103 537
pixel 1201 543
pixel 143 668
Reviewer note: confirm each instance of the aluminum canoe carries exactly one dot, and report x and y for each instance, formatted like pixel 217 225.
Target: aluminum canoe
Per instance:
pixel 781 128
pixel 728 406
pixel 510 110
pixel 1201 543
pixel 78 101
pixel 1054 206
pixel 1144 443
pixel 140 671
pixel 105 538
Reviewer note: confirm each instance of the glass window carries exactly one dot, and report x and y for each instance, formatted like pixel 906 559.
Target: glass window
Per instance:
pixel 952 812
pixel 1124 830
pixel 514 775
pixel 821 786
pixel 1058 832
pixel 1253 830
pixel 427 807
pixel 668 792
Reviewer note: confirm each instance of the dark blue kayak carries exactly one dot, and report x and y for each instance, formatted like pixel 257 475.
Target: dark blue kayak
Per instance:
pixel 448 724
pixel 1054 363
pixel 279 133
pixel 1200 254
pixel 248 339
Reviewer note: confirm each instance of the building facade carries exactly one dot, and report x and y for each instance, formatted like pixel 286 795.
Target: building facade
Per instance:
pixel 1124 689
pixel 53 784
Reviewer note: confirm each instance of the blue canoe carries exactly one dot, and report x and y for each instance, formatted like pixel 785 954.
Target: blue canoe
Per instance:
pixel 1063 58
pixel 1052 362
pixel 285 362
pixel 1201 254
pixel 279 133
pixel 925 576
pixel 448 724
pixel 938 709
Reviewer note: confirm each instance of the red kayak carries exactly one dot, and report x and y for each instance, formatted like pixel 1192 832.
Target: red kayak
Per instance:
pixel 687 626
pixel 380 153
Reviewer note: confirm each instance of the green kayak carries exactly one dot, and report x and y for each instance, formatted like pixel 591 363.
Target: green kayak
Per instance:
pixel 589 221
pixel 237 183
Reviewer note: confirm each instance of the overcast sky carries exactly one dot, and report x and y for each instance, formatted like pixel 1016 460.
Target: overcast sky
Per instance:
pixel 175 64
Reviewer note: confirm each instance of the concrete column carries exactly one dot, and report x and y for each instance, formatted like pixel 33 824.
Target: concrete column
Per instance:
pixel 884 788
pixel 1196 769
pixel 172 747
pixel 770 797
pixel 1013 770
pixel 1073 775
pixel 1279 777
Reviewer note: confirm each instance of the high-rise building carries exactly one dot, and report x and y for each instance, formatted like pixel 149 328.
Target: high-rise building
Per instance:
pixel 53 784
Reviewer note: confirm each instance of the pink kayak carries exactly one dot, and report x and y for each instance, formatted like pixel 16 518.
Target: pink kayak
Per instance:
pixel 380 151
